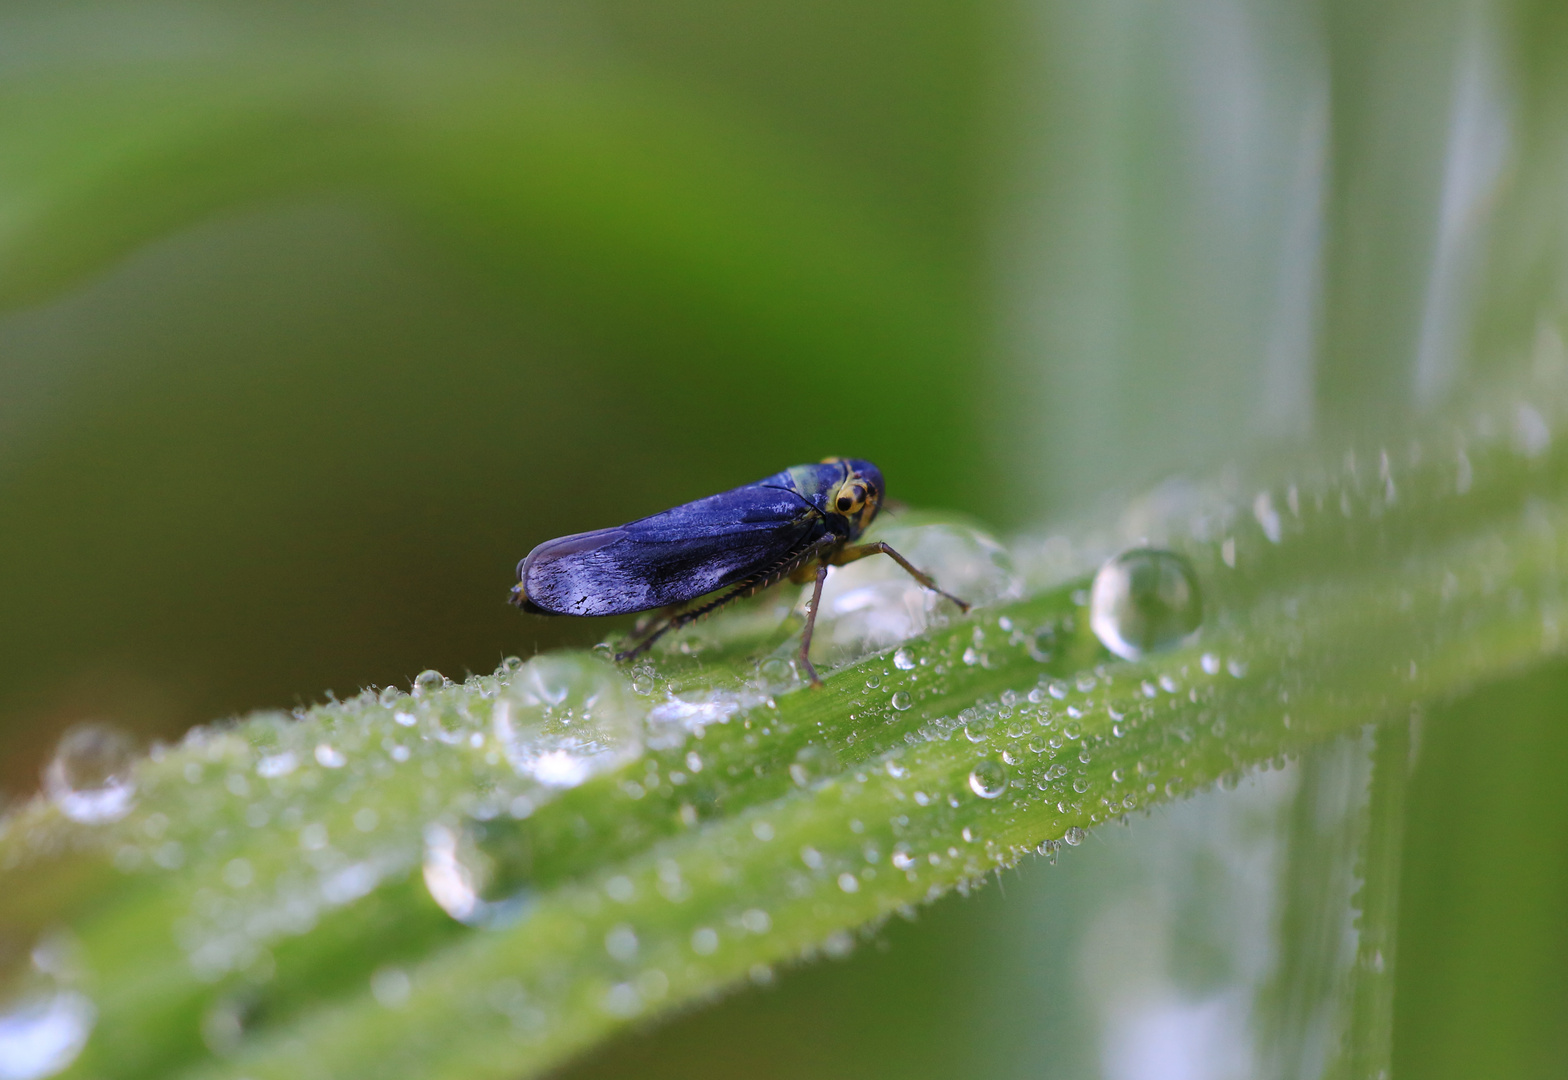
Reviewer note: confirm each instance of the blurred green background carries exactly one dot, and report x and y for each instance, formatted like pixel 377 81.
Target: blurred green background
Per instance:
pixel 319 316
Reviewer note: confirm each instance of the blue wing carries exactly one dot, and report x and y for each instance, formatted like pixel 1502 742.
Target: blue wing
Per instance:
pixel 674 556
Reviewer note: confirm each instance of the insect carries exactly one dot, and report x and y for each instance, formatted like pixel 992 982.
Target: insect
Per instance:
pixel 793 524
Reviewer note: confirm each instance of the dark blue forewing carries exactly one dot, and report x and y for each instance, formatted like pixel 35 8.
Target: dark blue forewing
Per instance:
pixel 672 557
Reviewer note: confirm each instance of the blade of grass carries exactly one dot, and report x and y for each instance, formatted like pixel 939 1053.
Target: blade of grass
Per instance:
pixel 774 823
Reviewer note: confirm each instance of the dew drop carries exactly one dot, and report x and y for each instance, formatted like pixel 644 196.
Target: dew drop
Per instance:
pixel 428 681
pixel 566 717
pixel 478 871
pixel 391 987
pixel 988 780
pixel 904 660
pixel 276 765
pixel 901 700
pixel 89 778
pixel 329 756
pixel 42 1033
pixel 621 943
pixel 1073 836
pixel 1268 517
pixel 1144 600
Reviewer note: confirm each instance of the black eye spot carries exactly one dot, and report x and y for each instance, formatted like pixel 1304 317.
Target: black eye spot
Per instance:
pixel 844 502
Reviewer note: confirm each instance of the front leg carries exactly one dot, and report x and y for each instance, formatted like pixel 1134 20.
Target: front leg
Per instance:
pixel 811 623
pixel 860 551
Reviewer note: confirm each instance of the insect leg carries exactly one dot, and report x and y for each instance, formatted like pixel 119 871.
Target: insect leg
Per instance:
pixel 811 622
pixel 674 620
pixel 860 551
pixel 646 643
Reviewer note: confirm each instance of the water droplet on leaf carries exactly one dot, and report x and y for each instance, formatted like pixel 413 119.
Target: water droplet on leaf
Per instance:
pixel 1143 601
pixel 566 717
pixel 478 871
pixel 41 1034
pixel 988 780
pixel 89 778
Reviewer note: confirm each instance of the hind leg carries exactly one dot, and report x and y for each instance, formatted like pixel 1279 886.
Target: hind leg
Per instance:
pixel 674 619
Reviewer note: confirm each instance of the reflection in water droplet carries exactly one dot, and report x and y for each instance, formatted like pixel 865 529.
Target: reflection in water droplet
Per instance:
pixel 41 1034
pixel 478 871
pixel 904 660
pixel 988 780
pixel 565 717
pixel 1145 600
pixel 1073 836
pixel 90 776
pixel 901 700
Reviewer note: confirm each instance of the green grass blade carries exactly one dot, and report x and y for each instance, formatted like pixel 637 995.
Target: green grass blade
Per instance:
pixel 261 913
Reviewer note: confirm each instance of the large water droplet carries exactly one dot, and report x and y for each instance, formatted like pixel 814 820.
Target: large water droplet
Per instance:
pixel 90 776
pixel 478 871
pixel 43 1022
pixel 988 780
pixel 1145 600
pixel 565 717
pixel 42 1034
pixel 428 681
